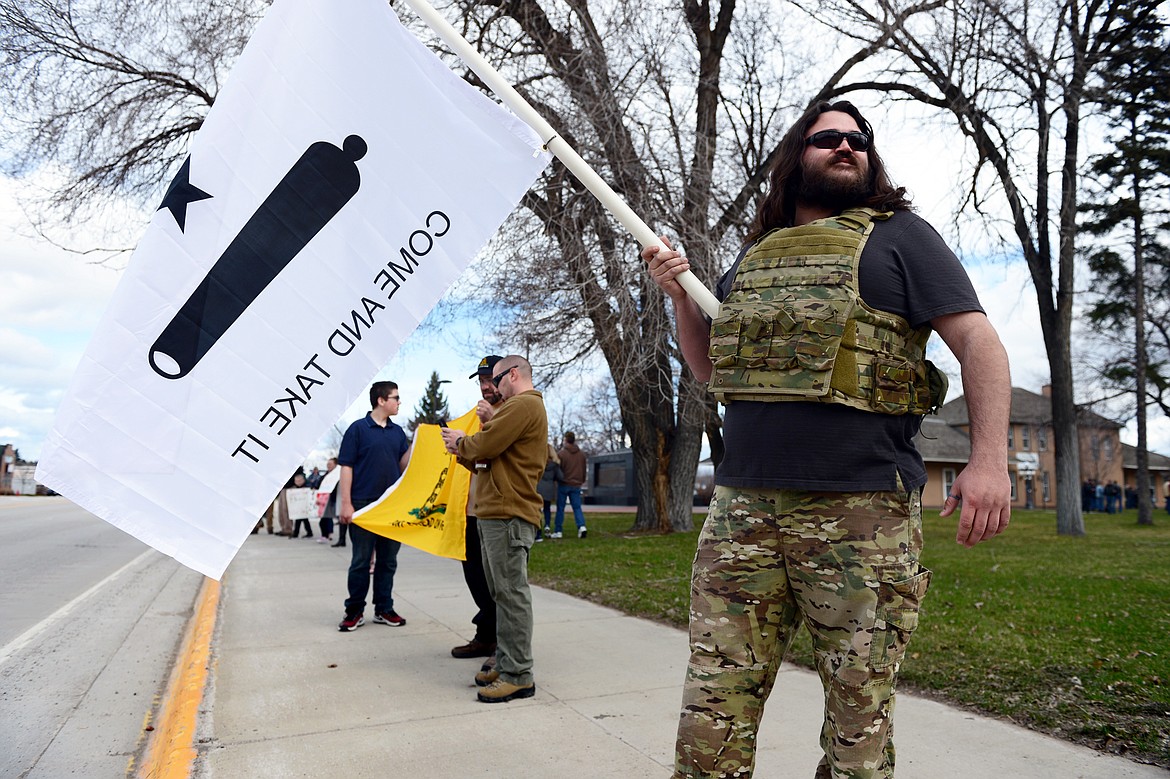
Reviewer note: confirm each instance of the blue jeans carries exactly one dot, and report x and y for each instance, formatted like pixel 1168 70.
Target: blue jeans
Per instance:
pixel 365 544
pixel 574 496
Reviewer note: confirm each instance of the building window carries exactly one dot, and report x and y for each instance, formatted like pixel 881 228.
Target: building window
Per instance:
pixel 1107 447
pixel 1011 437
pixel 1044 487
pixel 1042 438
pixel 948 475
pixel 1025 443
pixel 1015 493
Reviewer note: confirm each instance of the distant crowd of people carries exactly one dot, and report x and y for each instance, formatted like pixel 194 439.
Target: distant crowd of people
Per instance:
pixel 300 502
pixel 1109 497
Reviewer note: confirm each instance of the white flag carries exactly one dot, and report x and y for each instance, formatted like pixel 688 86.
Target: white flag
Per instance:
pixel 342 182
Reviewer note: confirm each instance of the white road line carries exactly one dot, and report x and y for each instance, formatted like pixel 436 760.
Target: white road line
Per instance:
pixel 18 643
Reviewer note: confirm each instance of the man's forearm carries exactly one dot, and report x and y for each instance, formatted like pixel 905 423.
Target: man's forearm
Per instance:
pixel 344 494
pixel 987 385
pixel 694 337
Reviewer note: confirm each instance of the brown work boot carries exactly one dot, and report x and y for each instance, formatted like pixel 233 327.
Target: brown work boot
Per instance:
pixel 486 677
pixel 500 691
pixel 474 648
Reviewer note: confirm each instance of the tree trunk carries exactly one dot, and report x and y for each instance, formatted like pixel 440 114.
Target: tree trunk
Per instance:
pixel 1145 502
pixel 1069 520
pixel 665 460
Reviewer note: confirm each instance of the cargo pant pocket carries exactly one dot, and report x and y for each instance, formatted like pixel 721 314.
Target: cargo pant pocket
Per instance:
pixel 896 618
pixel 521 534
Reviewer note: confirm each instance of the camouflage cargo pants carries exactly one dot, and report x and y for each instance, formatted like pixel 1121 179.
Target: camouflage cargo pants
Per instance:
pixel 844 564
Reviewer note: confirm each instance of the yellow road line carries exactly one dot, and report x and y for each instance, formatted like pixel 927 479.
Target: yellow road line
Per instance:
pixel 171 751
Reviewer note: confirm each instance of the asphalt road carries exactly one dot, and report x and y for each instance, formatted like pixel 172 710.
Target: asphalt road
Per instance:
pixel 90 621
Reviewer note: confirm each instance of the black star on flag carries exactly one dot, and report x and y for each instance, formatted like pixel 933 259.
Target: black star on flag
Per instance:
pixel 180 193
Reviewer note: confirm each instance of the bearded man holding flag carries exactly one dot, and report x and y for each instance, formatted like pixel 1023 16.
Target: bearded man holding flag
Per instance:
pixel 512 446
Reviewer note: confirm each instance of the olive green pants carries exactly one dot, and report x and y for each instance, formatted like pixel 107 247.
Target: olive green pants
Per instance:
pixel 505 544
pixel 843 564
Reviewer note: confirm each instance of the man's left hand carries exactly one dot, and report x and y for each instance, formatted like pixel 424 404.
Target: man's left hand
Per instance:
pixel 451 439
pixel 985 494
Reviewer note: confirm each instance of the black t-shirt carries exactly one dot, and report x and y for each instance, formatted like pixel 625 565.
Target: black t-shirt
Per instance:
pixel 906 269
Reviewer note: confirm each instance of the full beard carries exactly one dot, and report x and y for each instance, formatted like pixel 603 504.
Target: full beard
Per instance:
pixel 829 188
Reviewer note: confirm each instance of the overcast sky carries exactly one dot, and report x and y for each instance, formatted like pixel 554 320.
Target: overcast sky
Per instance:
pixel 51 300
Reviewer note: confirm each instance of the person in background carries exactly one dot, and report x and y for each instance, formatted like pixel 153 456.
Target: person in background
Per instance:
pixel 547 488
pixel 298 506
pixel 483 643
pixel 280 505
pixel 329 512
pixel 573 476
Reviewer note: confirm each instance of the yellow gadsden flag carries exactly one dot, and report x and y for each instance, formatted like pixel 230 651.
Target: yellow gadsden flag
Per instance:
pixel 426 508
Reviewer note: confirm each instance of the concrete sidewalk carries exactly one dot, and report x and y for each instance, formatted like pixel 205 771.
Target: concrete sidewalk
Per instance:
pixel 291 696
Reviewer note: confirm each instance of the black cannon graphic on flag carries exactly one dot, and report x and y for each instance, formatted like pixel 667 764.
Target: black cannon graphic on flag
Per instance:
pixel 313 191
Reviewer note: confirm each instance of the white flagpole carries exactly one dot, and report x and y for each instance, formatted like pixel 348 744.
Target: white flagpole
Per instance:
pixel 553 143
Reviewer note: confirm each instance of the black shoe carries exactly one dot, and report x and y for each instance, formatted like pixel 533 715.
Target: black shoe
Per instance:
pixel 339 543
pixel 474 648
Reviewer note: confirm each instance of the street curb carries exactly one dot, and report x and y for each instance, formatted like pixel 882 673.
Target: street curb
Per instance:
pixel 171 750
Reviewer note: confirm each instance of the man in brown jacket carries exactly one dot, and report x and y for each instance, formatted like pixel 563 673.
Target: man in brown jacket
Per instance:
pixel 512 446
pixel 573 467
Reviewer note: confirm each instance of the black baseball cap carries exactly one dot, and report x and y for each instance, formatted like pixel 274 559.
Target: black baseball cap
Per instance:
pixel 486 365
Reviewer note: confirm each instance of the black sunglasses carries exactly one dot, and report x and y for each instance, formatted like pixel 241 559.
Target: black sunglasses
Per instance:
pixel 497 379
pixel 831 139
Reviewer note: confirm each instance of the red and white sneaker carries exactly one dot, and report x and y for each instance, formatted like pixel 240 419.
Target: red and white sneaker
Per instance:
pixel 389 618
pixel 352 622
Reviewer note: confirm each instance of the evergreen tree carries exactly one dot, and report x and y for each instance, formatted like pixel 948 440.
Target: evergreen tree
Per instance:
pixel 1129 265
pixel 432 407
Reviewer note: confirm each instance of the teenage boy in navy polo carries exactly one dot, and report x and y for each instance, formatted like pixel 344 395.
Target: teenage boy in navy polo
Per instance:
pixel 374 453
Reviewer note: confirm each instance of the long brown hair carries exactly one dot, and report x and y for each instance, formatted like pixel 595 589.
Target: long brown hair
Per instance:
pixel 778 208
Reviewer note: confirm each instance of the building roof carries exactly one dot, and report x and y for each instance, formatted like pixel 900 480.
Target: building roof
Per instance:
pixel 1027 408
pixel 938 442
pixel 1158 462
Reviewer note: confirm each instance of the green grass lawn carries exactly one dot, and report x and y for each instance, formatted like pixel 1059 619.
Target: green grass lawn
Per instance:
pixel 1070 636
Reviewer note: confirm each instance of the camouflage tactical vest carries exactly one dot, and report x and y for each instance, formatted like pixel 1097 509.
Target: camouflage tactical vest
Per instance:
pixel 794 327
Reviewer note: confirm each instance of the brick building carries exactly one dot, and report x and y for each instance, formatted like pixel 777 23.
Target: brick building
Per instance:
pixel 7 463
